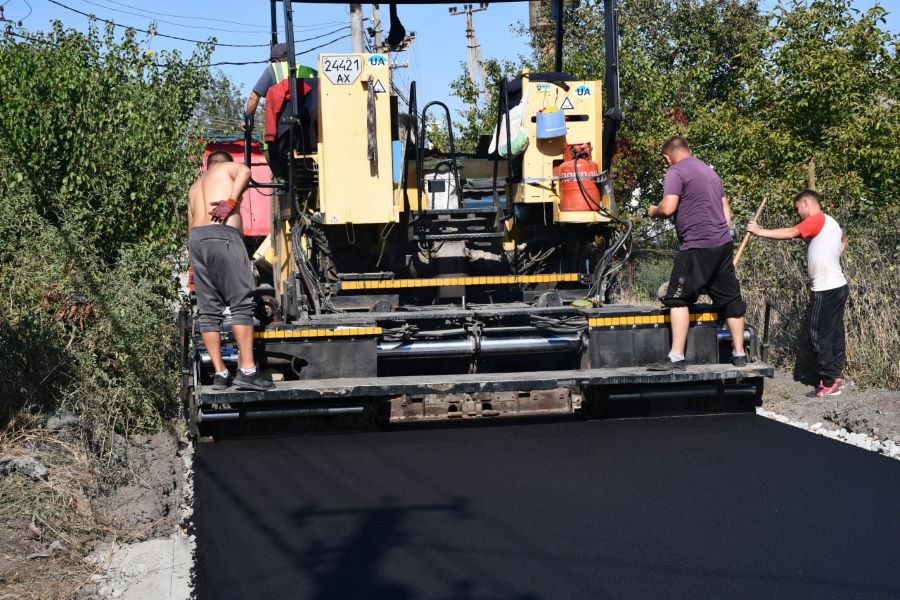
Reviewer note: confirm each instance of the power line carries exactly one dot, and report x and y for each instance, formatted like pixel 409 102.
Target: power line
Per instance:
pixel 195 26
pixel 188 17
pixel 10 32
pixel 261 62
pixel 162 35
pixel 264 27
pixel 153 18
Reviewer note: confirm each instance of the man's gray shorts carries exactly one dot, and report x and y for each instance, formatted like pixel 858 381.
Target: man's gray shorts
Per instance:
pixel 222 276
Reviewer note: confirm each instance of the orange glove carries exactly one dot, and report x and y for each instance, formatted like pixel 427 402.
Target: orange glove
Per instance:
pixel 222 209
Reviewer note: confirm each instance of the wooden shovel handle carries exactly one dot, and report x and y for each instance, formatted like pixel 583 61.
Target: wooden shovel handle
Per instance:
pixel 746 239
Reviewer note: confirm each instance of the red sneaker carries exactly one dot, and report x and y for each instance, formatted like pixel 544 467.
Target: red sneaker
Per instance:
pixel 829 390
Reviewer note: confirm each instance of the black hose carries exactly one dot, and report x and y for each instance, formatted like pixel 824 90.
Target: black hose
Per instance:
pixel 603 269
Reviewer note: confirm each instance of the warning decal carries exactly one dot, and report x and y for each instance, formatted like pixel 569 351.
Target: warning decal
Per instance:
pixel 566 105
pixel 379 89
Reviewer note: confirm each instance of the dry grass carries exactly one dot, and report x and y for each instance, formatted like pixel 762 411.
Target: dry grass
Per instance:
pixel 37 513
pixel 777 272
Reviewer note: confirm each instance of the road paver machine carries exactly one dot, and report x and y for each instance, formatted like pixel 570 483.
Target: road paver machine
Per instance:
pixel 408 282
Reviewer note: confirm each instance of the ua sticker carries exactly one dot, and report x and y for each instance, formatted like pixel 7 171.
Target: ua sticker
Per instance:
pixel 583 90
pixel 566 104
pixel 377 60
pixel 379 89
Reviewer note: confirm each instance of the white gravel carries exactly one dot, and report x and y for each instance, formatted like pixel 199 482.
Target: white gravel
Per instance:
pixel 889 448
pixel 158 569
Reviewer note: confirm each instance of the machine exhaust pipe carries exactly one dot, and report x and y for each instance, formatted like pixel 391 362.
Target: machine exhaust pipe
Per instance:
pixel 744 391
pixel 229 356
pixel 560 342
pixel 280 413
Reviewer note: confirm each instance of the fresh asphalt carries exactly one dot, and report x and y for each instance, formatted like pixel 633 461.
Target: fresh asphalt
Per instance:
pixel 732 506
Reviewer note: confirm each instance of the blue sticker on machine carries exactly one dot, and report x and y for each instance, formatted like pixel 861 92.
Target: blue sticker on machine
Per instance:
pixel 378 60
pixel 583 90
pixel 543 87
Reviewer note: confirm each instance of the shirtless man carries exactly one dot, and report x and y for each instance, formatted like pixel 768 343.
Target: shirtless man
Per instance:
pixel 222 274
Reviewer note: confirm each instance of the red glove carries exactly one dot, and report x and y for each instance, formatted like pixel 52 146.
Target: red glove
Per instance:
pixel 222 209
pixel 191 279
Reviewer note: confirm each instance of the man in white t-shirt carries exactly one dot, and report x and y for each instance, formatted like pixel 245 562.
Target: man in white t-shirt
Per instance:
pixel 827 282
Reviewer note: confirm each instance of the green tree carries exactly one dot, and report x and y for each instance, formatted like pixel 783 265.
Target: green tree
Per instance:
pixel 221 106
pixel 98 144
pixel 103 128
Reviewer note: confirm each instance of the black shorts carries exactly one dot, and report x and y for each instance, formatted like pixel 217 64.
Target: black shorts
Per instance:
pixel 709 270
pixel 222 276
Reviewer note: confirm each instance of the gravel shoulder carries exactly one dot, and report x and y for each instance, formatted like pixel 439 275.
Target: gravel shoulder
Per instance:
pixel 873 412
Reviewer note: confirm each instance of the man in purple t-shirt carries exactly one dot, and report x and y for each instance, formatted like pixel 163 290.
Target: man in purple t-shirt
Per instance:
pixel 705 260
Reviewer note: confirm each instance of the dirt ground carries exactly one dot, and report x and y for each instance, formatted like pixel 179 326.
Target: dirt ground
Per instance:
pixel 51 527
pixel 54 529
pixel 874 412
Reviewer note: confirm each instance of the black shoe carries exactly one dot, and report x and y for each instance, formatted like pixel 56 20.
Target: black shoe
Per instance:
pixel 668 365
pixel 739 361
pixel 221 382
pixel 259 381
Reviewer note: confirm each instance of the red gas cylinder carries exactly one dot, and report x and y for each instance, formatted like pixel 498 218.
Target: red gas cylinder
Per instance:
pixel 571 195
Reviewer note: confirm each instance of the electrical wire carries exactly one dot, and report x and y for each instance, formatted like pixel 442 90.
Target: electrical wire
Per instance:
pixel 262 62
pixel 158 20
pixel 30 10
pixel 162 35
pixel 263 28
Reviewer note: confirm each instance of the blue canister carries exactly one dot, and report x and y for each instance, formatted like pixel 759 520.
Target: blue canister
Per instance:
pixel 551 124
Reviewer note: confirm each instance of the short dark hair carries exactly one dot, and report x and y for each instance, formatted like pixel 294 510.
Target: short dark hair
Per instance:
pixel 807 194
pixel 219 156
pixel 674 143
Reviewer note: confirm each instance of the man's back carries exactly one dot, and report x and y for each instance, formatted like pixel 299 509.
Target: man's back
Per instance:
pixel 700 218
pixel 216 185
pixel 823 255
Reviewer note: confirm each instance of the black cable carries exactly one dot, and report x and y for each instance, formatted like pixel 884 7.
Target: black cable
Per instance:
pixel 261 62
pixel 26 37
pixel 603 269
pixel 162 35
pixel 264 28
pixel 153 18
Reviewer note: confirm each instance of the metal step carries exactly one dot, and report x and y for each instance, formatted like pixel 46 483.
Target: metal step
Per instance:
pixel 483 210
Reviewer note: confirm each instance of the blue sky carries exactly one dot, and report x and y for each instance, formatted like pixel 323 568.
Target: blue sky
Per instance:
pixel 433 60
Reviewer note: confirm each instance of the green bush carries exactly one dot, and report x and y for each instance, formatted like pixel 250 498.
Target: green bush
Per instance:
pixel 103 128
pixel 98 145
pixel 80 335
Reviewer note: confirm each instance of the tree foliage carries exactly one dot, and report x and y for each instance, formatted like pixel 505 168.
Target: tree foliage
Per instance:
pixel 221 107
pixel 103 128
pixel 758 95
pixel 98 144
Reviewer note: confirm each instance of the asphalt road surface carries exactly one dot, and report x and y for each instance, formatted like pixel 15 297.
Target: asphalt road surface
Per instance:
pixel 733 506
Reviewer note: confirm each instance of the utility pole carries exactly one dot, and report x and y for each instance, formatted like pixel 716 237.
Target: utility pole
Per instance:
pixel 376 28
pixel 475 62
pixel 357 41
pixel 539 27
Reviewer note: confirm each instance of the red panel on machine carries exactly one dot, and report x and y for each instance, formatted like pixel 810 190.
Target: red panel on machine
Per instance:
pixel 255 206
